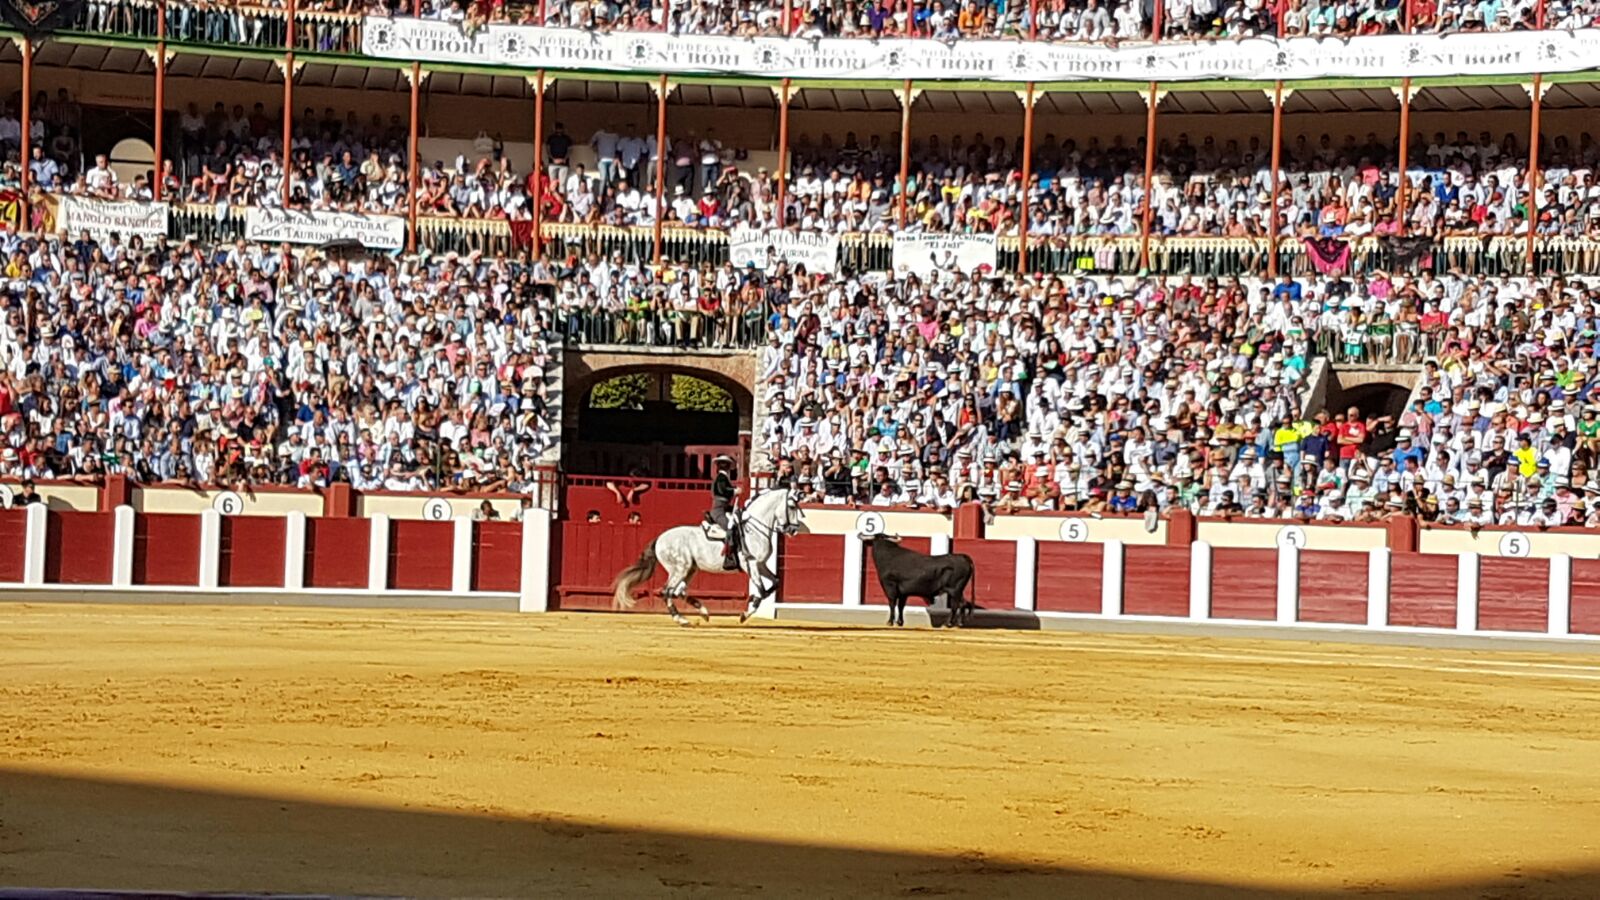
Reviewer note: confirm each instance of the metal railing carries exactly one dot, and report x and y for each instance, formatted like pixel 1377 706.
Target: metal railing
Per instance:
pixel 1491 255
pixel 664 328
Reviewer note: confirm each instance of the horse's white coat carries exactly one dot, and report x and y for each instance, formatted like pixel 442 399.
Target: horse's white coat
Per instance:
pixel 687 549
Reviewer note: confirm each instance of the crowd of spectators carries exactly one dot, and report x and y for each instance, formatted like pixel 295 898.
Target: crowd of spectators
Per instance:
pixel 1121 396
pixel 1330 187
pixel 241 365
pixel 1083 21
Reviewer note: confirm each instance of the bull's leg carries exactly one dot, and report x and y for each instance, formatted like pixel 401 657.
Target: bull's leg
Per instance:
pixel 891 608
pixel 900 612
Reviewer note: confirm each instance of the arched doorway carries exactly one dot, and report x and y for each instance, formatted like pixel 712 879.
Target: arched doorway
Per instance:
pixel 661 421
pixel 1374 398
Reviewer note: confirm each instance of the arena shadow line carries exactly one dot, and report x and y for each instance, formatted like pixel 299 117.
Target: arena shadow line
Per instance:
pixel 108 835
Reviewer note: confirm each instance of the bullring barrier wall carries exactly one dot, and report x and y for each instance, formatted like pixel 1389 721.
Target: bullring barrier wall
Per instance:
pixel 372 561
pixel 1392 576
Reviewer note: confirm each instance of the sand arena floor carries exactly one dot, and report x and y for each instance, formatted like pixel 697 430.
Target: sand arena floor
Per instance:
pixel 280 750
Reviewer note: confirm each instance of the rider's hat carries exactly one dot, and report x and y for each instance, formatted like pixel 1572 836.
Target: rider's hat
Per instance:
pixel 723 458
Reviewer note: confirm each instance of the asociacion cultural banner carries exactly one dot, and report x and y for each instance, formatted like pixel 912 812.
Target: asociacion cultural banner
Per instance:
pixel 765 249
pixel 923 254
pixel 1263 59
pixel 319 227
pixel 102 217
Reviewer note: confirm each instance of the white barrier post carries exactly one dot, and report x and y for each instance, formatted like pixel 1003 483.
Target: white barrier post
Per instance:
pixel 210 549
pixel 1378 563
pixel 378 553
pixel 939 545
pixel 1467 592
pixel 1559 623
pixel 1111 579
pixel 38 522
pixel 854 570
pixel 122 547
pixel 461 555
pixel 1199 580
pixel 1288 583
pixel 294 551
pixel 1027 574
pixel 534 587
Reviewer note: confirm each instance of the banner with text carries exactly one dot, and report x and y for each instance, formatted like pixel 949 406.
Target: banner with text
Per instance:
pixel 1259 59
pixel 319 227
pixel 101 217
pixel 924 254
pixel 765 249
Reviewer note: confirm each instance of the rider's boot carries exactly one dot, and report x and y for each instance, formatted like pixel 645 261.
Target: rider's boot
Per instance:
pixel 730 560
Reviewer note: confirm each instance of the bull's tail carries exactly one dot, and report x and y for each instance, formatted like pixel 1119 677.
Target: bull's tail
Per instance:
pixel 632 577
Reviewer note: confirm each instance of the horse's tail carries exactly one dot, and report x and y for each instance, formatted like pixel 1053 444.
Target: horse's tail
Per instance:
pixel 632 577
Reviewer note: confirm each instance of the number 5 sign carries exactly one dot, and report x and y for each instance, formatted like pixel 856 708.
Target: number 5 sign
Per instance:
pixel 870 524
pixel 1515 544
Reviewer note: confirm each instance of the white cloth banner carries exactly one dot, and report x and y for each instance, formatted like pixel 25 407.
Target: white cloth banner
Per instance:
pixel 765 249
pixel 923 254
pixel 319 227
pixel 1261 59
pixel 101 217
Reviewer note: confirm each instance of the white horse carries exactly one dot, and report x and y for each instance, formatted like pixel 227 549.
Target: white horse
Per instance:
pixel 687 549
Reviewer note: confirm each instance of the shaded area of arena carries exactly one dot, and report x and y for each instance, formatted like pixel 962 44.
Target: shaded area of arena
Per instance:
pixel 146 837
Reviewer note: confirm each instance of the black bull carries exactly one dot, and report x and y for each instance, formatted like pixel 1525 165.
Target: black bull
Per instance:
pixel 904 573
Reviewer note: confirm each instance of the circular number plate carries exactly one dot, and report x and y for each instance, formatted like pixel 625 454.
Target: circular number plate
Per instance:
pixel 1292 536
pixel 870 524
pixel 1074 530
pixel 228 503
pixel 437 509
pixel 1515 543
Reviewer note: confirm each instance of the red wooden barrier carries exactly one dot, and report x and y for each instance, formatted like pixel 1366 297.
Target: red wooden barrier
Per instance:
pixel 1155 580
pixel 166 549
pixel 1513 594
pixel 871 590
pixel 78 547
pixel 497 560
pixel 1422 590
pixel 1333 587
pixel 420 555
pixel 1069 577
pixel 1585 617
pixel 13 544
pixel 251 551
pixel 994 572
pixel 659 508
pixel 810 568
pixel 592 556
pixel 337 551
pixel 1244 583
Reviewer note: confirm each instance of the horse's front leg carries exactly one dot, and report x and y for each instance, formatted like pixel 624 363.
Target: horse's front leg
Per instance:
pixel 670 593
pixel 763 586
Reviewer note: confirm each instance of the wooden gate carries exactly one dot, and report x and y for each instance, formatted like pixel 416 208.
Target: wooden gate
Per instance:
pixel 592 554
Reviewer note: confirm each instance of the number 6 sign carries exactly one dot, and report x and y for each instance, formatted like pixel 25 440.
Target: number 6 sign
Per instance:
pixel 436 510
pixel 228 503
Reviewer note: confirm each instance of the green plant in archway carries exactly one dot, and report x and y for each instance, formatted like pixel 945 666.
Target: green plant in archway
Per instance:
pixel 621 392
pixel 691 394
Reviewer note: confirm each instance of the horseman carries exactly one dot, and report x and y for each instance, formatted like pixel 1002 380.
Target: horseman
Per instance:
pixel 722 515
